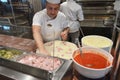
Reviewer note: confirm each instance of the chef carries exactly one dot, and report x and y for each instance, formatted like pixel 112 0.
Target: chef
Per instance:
pixel 49 24
pixel 74 14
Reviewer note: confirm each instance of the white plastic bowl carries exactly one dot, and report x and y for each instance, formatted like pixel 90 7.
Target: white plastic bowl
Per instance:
pixel 90 72
pixel 97 41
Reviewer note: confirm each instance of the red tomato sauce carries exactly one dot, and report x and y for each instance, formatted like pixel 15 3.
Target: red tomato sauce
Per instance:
pixel 91 60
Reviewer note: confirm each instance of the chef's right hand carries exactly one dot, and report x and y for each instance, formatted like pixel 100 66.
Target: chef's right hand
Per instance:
pixel 44 52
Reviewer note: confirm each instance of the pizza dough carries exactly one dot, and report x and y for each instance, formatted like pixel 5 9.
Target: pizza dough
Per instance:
pixel 62 49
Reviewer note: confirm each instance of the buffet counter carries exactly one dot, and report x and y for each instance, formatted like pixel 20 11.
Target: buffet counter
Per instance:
pixel 18 43
pixel 12 70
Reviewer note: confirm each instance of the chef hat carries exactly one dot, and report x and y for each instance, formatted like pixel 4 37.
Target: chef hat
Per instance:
pixel 69 0
pixel 54 1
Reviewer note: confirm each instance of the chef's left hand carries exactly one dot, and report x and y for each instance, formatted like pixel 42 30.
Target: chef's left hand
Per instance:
pixel 64 34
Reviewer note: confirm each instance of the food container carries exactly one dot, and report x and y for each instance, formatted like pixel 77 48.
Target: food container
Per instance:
pixel 97 41
pixel 92 72
pixel 48 63
pixel 9 53
pixel 18 71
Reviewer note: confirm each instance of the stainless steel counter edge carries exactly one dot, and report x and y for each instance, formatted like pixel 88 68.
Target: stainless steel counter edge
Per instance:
pixel 61 72
pixel 13 74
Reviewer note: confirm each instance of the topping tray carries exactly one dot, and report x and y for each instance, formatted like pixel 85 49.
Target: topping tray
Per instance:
pixel 51 64
pixel 45 74
pixel 9 53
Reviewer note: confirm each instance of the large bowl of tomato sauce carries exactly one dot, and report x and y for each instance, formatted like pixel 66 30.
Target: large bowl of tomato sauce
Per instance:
pixel 93 62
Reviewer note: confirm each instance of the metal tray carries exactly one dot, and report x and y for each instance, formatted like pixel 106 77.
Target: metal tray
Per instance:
pixel 99 12
pixel 19 68
pixel 36 72
pixel 40 55
pixel 14 52
pixel 14 74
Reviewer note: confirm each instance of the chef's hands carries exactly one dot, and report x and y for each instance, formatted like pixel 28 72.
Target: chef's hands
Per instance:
pixel 64 33
pixel 44 52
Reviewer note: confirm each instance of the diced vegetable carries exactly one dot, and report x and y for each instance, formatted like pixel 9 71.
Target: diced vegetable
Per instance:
pixel 8 54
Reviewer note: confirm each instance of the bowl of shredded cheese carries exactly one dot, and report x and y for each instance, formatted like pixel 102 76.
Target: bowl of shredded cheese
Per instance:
pixel 97 41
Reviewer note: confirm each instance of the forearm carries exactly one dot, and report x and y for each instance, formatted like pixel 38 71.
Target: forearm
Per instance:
pixel 38 38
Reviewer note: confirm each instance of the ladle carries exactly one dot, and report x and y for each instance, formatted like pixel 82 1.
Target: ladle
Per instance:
pixel 81 53
pixel 80 49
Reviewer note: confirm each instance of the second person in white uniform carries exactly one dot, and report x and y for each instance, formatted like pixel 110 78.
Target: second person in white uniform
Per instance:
pixel 74 14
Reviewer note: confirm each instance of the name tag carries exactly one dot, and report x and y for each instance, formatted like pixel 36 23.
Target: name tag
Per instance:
pixel 49 25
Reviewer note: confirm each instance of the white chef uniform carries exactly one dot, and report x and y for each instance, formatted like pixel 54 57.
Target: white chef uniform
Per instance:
pixel 117 5
pixel 73 12
pixel 50 28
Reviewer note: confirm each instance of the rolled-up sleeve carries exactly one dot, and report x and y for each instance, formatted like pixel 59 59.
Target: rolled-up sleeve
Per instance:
pixel 65 22
pixel 80 14
pixel 37 19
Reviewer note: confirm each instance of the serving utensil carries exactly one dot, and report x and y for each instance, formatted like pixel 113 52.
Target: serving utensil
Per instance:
pixel 79 46
pixel 81 53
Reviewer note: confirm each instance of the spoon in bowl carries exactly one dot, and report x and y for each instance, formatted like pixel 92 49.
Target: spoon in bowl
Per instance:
pixel 81 53
pixel 80 49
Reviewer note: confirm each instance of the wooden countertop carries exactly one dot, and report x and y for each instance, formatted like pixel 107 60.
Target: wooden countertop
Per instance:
pixel 17 42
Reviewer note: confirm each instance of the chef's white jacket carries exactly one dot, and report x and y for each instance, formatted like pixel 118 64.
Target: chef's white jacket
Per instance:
pixel 74 14
pixel 50 28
